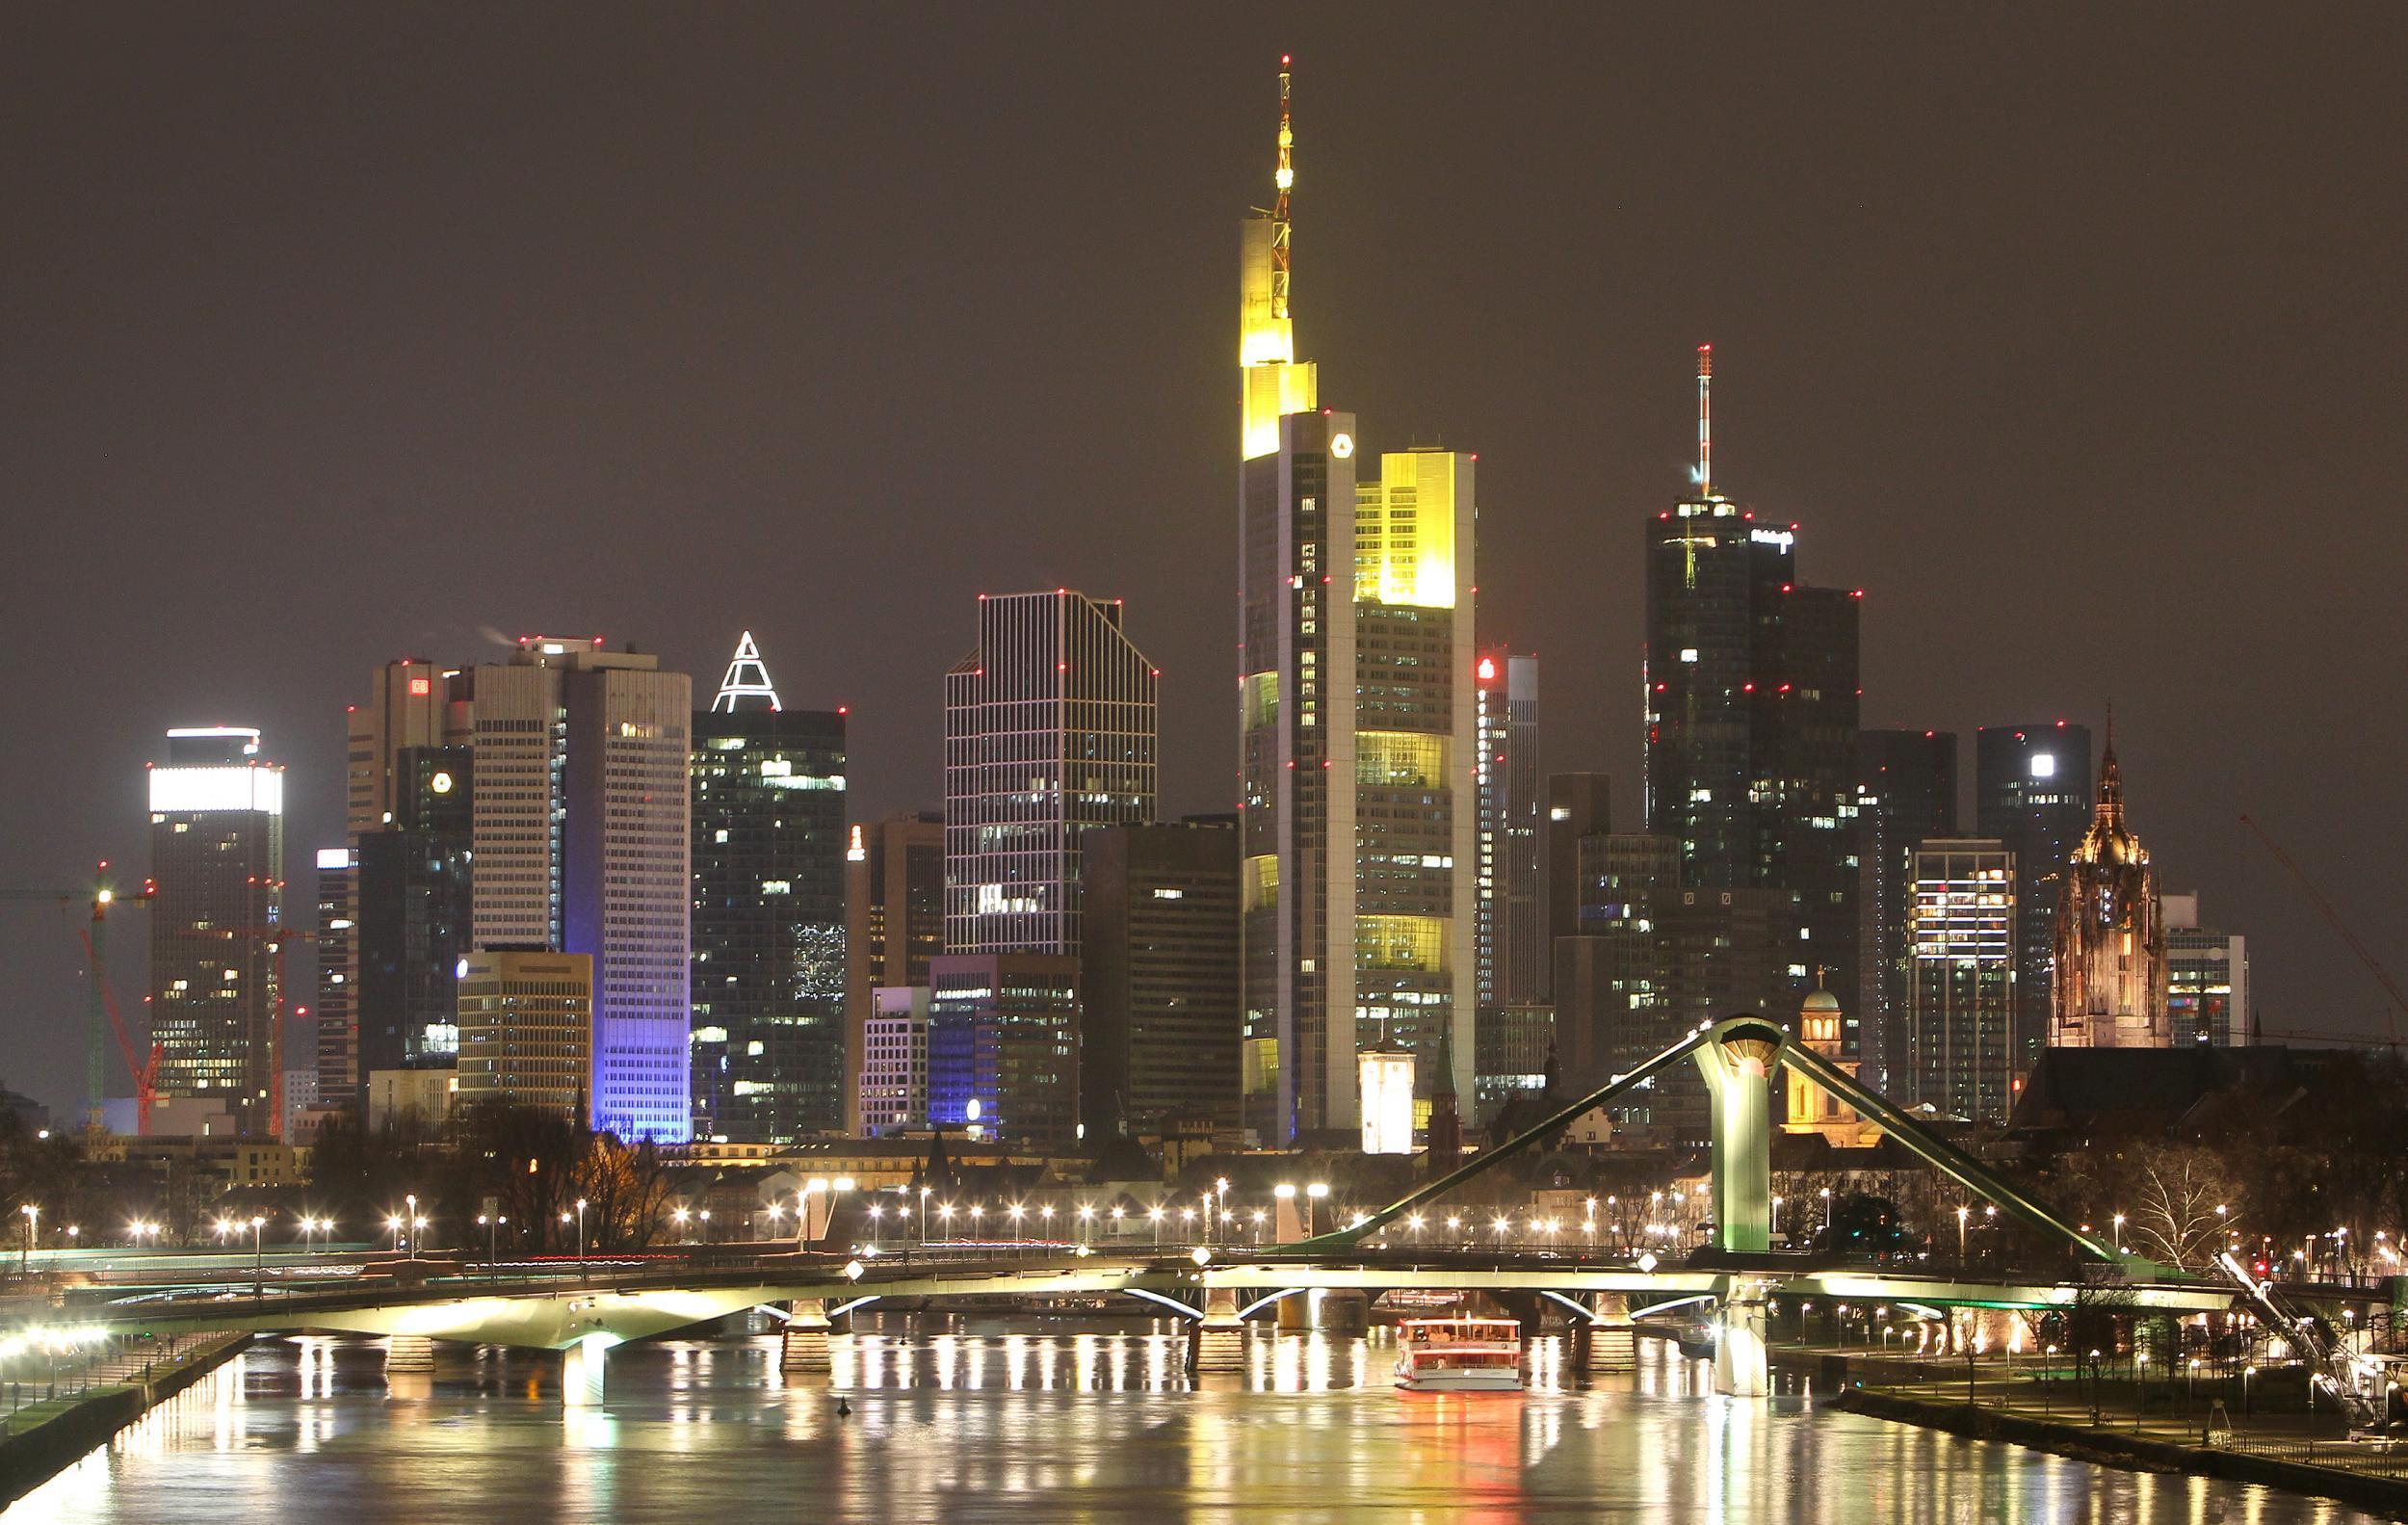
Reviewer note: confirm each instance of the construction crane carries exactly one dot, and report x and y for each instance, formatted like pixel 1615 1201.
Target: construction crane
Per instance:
pixel 2324 907
pixel 2358 1383
pixel 100 1016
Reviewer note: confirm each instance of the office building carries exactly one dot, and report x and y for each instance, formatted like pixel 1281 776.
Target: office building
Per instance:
pixel 894 924
pixel 526 1030
pixel 2207 977
pixel 1611 993
pixel 1358 818
pixel 1003 1058
pixel 1580 807
pixel 1905 793
pixel 892 1079
pixel 1751 695
pixel 2110 990
pixel 1159 975
pixel 1516 1046
pixel 769 845
pixel 1049 731
pixel 414 899
pixel 337 1035
pixel 2031 791
pixel 217 933
pixel 1717 953
pixel 1510 935
pixel 581 838
pixel 1961 997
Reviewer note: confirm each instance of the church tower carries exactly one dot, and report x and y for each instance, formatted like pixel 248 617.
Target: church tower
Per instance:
pixel 2110 935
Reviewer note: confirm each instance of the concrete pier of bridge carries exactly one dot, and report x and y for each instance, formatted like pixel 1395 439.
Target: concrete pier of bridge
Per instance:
pixel 803 1347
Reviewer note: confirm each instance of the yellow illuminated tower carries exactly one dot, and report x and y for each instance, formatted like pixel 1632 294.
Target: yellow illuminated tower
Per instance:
pixel 1275 382
pixel 1356 699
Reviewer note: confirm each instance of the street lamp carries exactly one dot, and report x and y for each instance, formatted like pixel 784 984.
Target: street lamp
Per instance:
pixel 33 1227
pixel 1826 1210
pixel 258 1255
pixel 1314 1191
pixel 1962 1213
pixel 411 1204
pixel 581 1236
pixel 2119 1233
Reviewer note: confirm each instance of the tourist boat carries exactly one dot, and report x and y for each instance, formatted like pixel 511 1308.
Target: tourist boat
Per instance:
pixel 1459 1356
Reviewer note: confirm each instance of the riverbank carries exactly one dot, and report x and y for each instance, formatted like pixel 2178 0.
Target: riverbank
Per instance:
pixel 2292 1452
pixel 42 1438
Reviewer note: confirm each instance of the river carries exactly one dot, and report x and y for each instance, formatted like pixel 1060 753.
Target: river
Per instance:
pixel 1028 1422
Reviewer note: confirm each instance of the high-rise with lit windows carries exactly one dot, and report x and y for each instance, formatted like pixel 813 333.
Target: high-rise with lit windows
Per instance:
pixel 1750 688
pixel 1049 732
pixel 1358 824
pixel 1510 935
pixel 894 925
pixel 1961 942
pixel 217 853
pixel 768 912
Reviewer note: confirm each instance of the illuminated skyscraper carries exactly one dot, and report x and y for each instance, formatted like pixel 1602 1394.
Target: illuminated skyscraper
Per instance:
pixel 1358 825
pixel 1961 993
pixel 2031 791
pixel 1049 730
pixel 338 1016
pixel 1159 975
pixel 1751 717
pixel 581 821
pixel 768 913
pixel 217 852
pixel 1509 935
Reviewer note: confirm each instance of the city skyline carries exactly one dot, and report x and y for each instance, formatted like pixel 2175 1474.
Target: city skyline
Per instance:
pixel 1861 436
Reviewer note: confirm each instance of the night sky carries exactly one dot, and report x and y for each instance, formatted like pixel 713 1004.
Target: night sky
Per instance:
pixel 334 333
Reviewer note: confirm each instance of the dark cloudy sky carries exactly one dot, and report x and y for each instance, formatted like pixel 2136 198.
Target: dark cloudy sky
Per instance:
pixel 2075 336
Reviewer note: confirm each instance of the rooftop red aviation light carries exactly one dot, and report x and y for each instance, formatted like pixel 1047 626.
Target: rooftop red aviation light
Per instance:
pixel 1487 668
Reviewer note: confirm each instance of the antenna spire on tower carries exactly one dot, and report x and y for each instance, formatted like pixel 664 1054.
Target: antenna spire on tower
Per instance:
pixel 1705 421
pixel 1285 180
pixel 748 678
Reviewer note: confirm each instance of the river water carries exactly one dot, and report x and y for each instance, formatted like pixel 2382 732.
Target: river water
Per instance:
pixel 1028 1422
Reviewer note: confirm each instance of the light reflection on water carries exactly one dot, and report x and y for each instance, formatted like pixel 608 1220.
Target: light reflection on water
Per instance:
pixel 1025 1420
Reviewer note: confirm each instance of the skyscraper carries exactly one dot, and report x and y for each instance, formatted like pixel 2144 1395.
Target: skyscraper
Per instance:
pixel 1358 816
pixel 894 925
pixel 1961 1006
pixel 1509 937
pixel 1049 730
pixel 1612 1005
pixel 581 837
pixel 415 900
pixel 217 852
pixel 338 1014
pixel 2110 935
pixel 768 912
pixel 2031 791
pixel 1751 694
pixel 1002 1057
pixel 1905 792
pixel 1159 975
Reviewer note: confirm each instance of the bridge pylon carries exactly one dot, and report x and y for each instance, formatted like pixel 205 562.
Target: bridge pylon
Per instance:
pixel 804 1346
pixel 1613 1338
pixel 583 1366
pixel 1738 1062
pixel 1220 1343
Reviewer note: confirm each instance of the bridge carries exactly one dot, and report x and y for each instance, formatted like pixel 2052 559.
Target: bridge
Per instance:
pixel 1218 1288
